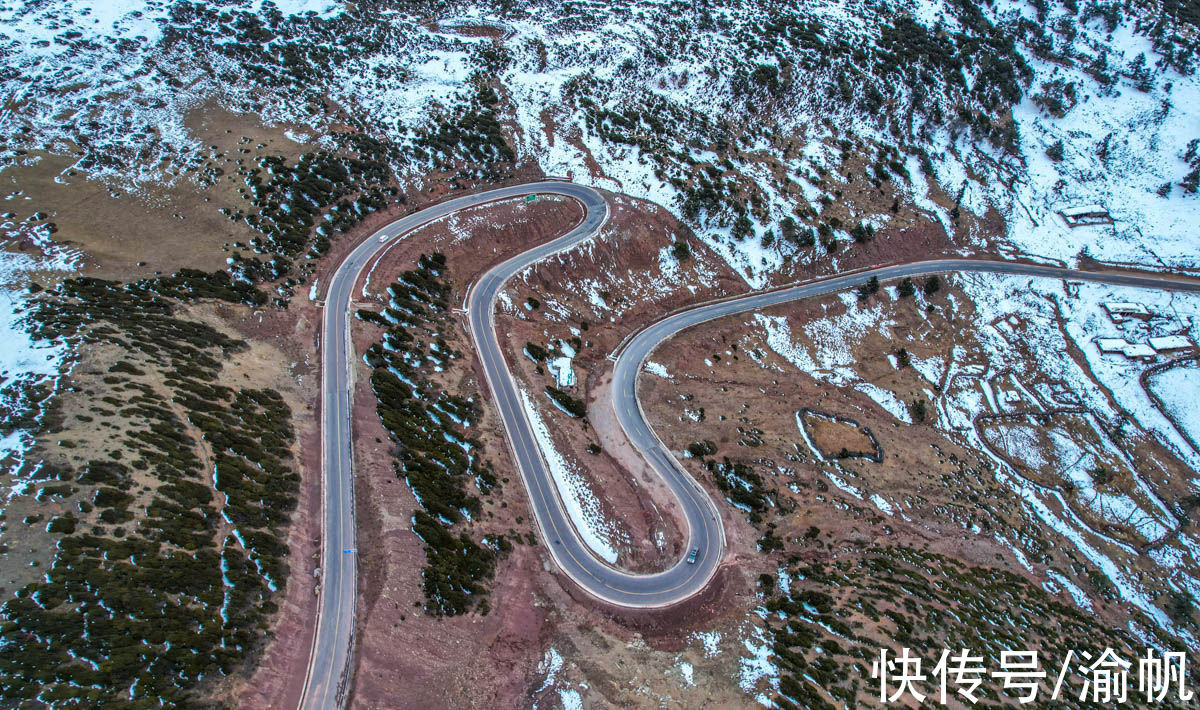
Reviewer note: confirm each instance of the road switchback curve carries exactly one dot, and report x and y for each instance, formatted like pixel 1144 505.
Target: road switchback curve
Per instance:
pixel 331 651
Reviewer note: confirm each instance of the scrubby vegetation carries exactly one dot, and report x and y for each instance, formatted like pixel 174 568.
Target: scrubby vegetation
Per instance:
pixel 158 583
pixel 828 628
pixel 433 453
pixel 742 486
pixel 570 404
pixel 290 199
pixel 297 208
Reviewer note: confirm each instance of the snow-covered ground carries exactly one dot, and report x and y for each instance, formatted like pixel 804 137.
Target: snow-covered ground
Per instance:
pixel 1178 389
pixel 22 362
pixel 1085 319
pixel 1121 145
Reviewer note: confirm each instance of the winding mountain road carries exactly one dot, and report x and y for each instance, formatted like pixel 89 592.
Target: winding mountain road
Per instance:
pixel 330 657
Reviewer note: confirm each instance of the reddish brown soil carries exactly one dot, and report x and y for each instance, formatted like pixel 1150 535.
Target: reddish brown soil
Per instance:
pixel 832 437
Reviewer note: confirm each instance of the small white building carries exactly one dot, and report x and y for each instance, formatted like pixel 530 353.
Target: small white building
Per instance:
pixel 1139 351
pixel 1111 345
pixel 564 374
pixel 1133 351
pixel 1171 343
pixel 1118 311
pixel 1085 215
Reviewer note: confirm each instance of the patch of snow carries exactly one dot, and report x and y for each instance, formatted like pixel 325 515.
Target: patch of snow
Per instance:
pixel 550 665
pixel 885 399
pixel 711 640
pixel 1179 388
pixel 655 368
pixel 1081 599
pixel 580 501
pixel 685 672
pixel 570 699
pixel 758 664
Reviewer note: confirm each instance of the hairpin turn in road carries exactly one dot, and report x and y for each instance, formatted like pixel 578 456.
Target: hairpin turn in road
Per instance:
pixel 330 656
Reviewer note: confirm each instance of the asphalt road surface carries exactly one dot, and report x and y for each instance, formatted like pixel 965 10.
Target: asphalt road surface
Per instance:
pixel 330 656
pixel 570 552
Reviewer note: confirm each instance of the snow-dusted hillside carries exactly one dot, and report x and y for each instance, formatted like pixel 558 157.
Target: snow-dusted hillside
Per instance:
pixel 739 107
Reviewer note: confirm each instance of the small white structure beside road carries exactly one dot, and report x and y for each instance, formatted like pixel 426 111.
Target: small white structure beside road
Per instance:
pixel 1133 351
pixel 1119 311
pixel 564 374
pixel 560 367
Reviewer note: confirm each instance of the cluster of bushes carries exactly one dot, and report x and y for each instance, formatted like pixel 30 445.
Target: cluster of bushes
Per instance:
pixel 929 62
pixel 418 296
pixel 304 54
pixel 433 454
pixel 1191 181
pixel 742 486
pixel 647 126
pixel 570 404
pixel 870 288
pixel 191 284
pixel 536 352
pixel 965 75
pixel 707 196
pixel 295 208
pixel 144 600
pixel 923 601
pixel 250 434
pixel 290 200
pixel 135 317
pixel 470 139
pixel 784 34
